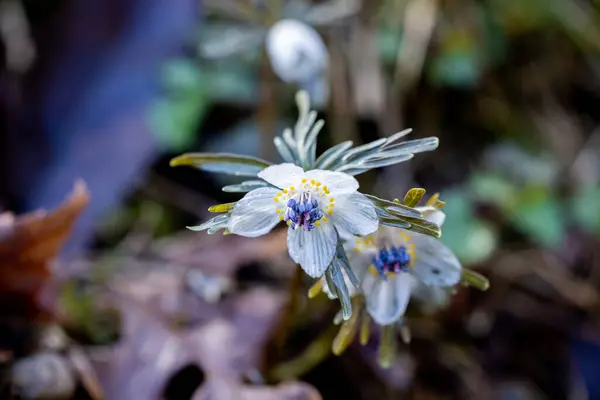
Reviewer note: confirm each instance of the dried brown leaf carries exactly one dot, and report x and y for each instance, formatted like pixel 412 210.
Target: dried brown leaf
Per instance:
pixel 28 245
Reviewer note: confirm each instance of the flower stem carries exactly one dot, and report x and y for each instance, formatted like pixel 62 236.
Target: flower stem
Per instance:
pixel 290 310
pixel 313 355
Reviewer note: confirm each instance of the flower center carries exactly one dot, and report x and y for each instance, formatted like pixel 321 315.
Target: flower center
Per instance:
pixel 303 210
pixel 306 206
pixel 392 260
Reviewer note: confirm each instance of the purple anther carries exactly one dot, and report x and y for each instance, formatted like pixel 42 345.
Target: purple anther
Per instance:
pixel 291 203
pixel 396 259
pixel 308 206
pixel 301 208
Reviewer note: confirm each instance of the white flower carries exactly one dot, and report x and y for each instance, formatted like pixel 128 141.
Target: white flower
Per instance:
pixel 315 204
pixel 398 264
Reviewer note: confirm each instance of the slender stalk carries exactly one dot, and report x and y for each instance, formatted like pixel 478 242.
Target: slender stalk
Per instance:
pixel 291 309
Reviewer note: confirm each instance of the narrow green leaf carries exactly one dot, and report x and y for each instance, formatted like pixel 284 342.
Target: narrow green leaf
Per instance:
pixel 387 203
pixel 218 220
pixel 395 223
pixel 311 141
pixel 420 225
pixel 413 197
pixel 245 187
pixel 332 155
pixel 355 152
pixel 221 208
pixel 365 329
pixel 411 147
pixel 402 210
pixel 395 137
pixel 315 289
pixel 434 201
pixel 340 289
pixel 375 162
pixel 346 334
pixel 474 279
pixel 233 164
pixel 283 150
pixel 342 259
pixel 387 347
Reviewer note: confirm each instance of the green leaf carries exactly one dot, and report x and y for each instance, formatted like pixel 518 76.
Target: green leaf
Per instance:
pixel 423 226
pixel 474 279
pixel 348 330
pixel 221 208
pixel 334 276
pixel 539 215
pixel 585 207
pixel 232 164
pixel 470 239
pixel 174 119
pixel 395 223
pixel 387 347
pixel 245 187
pixel 413 197
pixel 396 208
pixel 495 189
pixel 388 43
pixel 219 220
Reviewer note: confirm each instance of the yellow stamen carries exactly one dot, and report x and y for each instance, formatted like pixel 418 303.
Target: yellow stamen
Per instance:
pixel 304 180
pixel 318 223
pixel 318 183
pixel 281 217
pixel 330 212
pixel 285 190
pixel 292 188
pixel 331 200
pixel 312 181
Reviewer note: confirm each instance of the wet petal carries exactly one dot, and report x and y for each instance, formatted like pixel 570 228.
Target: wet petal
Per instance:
pixel 313 250
pixel 433 214
pixel 387 299
pixel 337 182
pixel 255 214
pixel 282 175
pixel 355 214
pixel 432 297
pixel 435 264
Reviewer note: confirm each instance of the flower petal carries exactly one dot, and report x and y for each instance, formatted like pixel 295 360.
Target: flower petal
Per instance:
pixel 355 214
pixel 282 175
pixel 313 250
pixel 387 299
pixel 433 214
pixel 435 264
pixel 337 182
pixel 254 215
pixel 432 297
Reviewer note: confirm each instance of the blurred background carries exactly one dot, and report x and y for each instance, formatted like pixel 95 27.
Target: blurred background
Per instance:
pixel 107 296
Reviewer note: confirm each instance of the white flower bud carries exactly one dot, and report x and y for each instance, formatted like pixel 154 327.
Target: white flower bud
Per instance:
pixel 296 51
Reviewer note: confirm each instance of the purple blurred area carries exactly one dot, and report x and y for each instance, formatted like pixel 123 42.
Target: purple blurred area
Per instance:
pixel 84 104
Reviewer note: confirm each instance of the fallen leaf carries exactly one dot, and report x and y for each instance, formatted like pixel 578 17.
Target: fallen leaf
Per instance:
pixel 227 348
pixel 28 245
